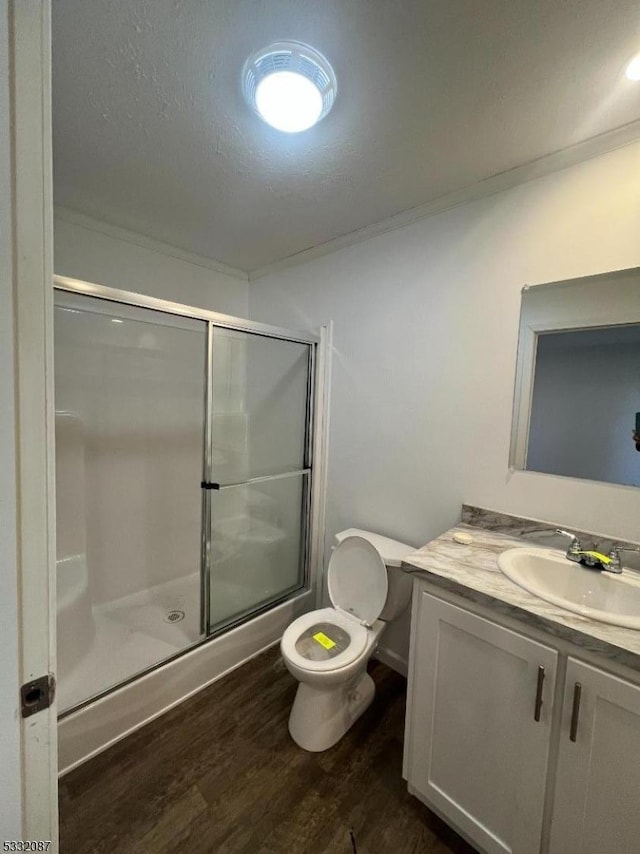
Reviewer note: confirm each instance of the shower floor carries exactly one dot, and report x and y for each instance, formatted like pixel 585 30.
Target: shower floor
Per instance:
pixel 137 631
pixel 132 634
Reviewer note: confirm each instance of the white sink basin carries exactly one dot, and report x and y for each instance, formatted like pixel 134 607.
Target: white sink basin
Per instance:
pixel 603 596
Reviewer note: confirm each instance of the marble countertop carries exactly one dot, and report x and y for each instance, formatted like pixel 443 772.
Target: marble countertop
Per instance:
pixel 472 571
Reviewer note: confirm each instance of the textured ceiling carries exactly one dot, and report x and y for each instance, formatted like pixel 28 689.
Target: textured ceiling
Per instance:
pixel 151 132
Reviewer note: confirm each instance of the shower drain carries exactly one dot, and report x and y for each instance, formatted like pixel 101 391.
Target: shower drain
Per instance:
pixel 174 617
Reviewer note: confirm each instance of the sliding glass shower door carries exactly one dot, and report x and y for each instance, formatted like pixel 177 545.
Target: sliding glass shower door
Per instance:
pixel 183 480
pixel 130 402
pixel 259 472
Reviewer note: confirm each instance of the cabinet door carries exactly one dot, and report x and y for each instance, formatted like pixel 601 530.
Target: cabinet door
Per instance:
pixel 477 754
pixel 597 795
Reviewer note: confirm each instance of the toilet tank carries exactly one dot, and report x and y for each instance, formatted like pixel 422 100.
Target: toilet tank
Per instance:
pixel 392 553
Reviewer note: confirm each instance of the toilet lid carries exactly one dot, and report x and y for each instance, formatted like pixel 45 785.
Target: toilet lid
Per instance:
pixel 357 579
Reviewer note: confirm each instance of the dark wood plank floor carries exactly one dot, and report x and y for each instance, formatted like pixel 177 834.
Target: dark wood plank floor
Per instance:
pixel 221 774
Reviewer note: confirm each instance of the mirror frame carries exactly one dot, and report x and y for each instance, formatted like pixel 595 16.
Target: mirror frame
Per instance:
pixel 564 306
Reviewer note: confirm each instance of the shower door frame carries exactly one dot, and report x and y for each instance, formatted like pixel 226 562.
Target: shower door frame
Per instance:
pixel 315 455
pixel 208 477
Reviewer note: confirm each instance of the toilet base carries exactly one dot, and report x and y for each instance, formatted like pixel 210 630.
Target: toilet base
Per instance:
pixel 321 716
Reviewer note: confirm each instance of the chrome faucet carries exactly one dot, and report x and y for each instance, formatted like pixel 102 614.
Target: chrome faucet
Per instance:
pixel 616 564
pixel 574 549
pixel 592 558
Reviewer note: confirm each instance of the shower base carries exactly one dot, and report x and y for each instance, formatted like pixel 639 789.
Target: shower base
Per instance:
pixel 131 635
pixel 140 630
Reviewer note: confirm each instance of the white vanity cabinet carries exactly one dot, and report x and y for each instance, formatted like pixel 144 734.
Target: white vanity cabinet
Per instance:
pixel 597 792
pixel 486 749
pixel 479 725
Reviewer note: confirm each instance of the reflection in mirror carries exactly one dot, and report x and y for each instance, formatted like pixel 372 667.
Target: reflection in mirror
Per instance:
pixel 586 394
pixel 577 399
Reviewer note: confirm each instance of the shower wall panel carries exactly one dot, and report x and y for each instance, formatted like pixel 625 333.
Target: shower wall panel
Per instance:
pixel 129 435
pixel 135 387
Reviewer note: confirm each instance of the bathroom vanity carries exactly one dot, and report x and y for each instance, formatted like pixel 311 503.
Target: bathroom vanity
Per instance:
pixel 523 719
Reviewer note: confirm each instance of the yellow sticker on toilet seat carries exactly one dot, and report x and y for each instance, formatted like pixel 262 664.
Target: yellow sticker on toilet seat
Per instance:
pixel 324 640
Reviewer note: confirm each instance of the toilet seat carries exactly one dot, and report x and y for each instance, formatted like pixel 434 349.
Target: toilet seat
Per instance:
pixel 360 639
pixel 358 585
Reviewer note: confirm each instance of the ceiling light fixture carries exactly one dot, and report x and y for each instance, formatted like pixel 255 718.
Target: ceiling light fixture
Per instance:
pixel 289 85
pixel 633 68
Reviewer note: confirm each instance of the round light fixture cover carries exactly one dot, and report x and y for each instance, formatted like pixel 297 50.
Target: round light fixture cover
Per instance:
pixel 632 71
pixel 290 85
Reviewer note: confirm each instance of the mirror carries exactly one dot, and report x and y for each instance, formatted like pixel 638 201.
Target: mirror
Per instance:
pixel 577 392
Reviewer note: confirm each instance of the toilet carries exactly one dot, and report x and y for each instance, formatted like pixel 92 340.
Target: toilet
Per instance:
pixel 327 650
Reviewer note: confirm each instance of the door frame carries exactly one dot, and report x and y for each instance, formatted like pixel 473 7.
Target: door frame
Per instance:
pixel 28 290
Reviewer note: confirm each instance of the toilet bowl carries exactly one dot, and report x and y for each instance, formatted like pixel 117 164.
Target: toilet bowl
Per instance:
pixel 327 650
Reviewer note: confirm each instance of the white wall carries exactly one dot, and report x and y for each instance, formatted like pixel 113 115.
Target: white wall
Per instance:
pixel 94 252
pixel 10 801
pixel 426 325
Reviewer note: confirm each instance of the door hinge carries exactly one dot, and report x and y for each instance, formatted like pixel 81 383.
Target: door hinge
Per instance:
pixel 37 694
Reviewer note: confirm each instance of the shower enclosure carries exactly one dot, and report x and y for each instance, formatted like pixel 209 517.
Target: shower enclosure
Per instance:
pixel 184 480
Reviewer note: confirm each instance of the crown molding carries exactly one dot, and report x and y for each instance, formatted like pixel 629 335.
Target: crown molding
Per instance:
pixel 498 183
pixel 85 221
